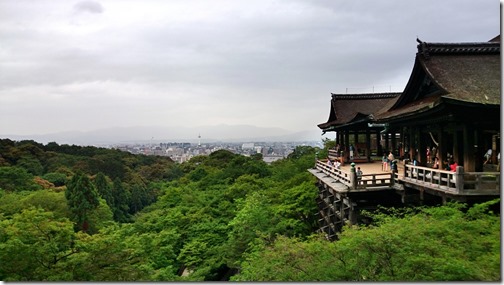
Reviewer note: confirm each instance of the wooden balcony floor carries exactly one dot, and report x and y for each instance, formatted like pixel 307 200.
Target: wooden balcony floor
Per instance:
pixel 372 168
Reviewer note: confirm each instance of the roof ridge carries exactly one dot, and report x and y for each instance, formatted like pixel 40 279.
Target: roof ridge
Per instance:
pixel 365 95
pixel 426 49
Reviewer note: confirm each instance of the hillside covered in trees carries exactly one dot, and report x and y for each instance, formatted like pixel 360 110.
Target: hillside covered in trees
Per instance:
pixel 72 213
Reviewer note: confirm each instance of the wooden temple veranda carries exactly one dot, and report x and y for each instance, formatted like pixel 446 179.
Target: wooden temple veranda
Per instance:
pixel 449 112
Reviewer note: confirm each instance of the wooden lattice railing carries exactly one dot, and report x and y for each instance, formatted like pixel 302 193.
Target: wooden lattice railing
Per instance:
pixel 458 182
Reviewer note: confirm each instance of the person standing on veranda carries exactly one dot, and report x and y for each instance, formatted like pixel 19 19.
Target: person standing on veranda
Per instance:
pixel 390 157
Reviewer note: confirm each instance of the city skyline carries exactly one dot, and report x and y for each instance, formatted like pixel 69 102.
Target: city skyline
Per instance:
pixel 222 133
pixel 96 65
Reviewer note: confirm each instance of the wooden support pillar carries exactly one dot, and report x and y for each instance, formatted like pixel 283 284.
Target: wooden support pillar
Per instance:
pixel 456 146
pixel 469 149
pixel 387 145
pixel 352 214
pixel 411 142
pixel 422 149
pixel 347 146
pixel 379 148
pixel 495 149
pixel 418 139
pixel 394 143
pixel 441 148
pixel 421 196
pixel 368 144
pixel 342 210
pixel 356 142
pixel 479 150
pixel 401 141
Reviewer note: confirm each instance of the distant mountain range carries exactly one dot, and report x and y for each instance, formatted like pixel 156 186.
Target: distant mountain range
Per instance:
pixel 224 133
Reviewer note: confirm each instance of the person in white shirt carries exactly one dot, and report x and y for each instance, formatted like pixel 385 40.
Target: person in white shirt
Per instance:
pixel 488 155
pixel 337 164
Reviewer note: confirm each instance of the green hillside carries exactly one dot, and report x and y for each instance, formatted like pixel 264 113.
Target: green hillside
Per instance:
pixel 72 213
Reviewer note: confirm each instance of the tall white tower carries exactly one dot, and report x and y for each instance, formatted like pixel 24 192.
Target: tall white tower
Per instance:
pixel 199 140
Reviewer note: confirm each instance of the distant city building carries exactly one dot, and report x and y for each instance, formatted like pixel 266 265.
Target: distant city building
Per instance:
pixel 248 146
pixel 181 152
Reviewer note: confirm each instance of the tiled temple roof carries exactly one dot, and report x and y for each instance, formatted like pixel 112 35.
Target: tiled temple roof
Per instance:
pixel 466 73
pixel 346 108
pixel 428 49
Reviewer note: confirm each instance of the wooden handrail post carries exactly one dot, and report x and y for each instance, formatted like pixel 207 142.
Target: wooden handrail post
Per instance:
pixel 405 169
pixel 353 176
pixel 459 179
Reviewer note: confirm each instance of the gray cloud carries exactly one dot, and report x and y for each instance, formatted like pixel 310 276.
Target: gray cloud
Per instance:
pixel 88 6
pixel 265 63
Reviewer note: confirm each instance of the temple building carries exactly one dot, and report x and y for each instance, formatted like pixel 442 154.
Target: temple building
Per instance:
pixel 451 103
pixel 349 117
pixel 442 133
pixel 450 109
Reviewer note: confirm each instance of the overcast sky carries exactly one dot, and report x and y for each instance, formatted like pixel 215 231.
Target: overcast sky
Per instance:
pixel 86 65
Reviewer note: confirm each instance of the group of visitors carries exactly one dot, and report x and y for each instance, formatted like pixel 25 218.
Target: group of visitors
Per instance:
pixel 451 165
pixel 335 165
pixel 353 151
pixel 431 154
pixel 389 163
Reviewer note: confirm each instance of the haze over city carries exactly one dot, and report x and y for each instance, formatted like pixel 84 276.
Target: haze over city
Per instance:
pixel 267 66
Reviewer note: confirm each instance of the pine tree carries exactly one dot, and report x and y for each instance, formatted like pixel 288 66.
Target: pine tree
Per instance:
pixel 138 198
pixel 82 198
pixel 121 201
pixel 104 189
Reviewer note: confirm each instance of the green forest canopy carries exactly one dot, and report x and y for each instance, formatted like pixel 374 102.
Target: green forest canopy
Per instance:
pixel 217 217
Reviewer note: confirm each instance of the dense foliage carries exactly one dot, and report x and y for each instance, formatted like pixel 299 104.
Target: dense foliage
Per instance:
pixel 70 213
pixel 433 244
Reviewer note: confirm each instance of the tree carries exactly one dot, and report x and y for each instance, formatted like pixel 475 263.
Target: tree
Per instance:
pixel 82 198
pixel 288 260
pixel 16 179
pixel 253 220
pixel 99 218
pixel 56 178
pixel 115 254
pixel 444 243
pixel 50 201
pixel 31 164
pixel 103 187
pixel 138 198
pixel 300 151
pixel 33 245
pixel 295 206
pixel 121 201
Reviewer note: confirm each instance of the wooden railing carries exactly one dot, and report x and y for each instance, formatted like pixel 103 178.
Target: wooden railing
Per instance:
pixel 430 177
pixel 375 180
pixel 459 182
pixel 351 180
pixel 481 183
pixel 337 174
